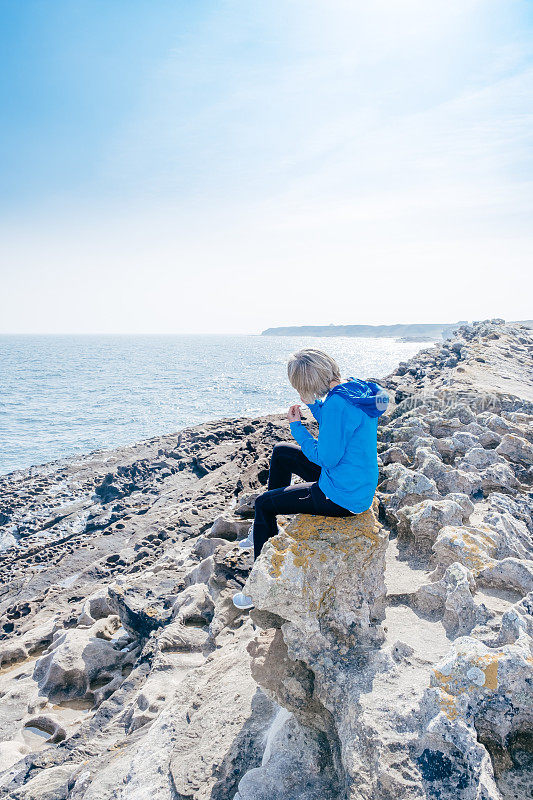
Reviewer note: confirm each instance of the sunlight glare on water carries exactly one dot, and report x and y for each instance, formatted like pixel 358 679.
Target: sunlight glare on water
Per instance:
pixel 65 395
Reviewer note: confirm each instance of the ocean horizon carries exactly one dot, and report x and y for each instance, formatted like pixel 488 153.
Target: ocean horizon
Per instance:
pixel 66 395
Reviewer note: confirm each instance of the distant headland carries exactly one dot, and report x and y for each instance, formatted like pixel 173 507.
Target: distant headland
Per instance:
pixel 415 332
pixel 411 332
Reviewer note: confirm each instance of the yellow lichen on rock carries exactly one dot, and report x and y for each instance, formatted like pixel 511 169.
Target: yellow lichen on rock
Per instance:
pixel 311 542
pixel 278 556
pixel 458 678
pixel 325 574
pixel 489 665
pixel 491 675
pixel 448 704
pixel 308 533
pixel 476 549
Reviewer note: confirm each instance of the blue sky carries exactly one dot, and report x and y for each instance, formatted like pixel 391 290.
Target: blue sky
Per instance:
pixel 225 167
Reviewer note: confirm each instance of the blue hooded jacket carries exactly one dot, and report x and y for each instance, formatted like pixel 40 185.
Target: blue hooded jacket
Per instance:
pixel 366 395
pixel 346 448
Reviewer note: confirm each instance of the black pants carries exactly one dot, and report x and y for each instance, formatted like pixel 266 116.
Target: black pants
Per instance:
pixel 281 498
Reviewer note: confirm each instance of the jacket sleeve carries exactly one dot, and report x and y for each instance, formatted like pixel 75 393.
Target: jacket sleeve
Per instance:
pixel 315 409
pixel 335 430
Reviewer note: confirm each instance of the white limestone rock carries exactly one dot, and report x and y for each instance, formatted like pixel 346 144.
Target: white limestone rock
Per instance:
pixel 194 605
pixel 326 576
pixel 47 784
pixel 75 659
pixel 462 442
pixel 394 455
pixel 473 546
pixel 95 607
pixel 517 623
pixel 423 521
pixel 296 767
pixel 508 573
pixel 452 596
pixel 404 487
pixel 477 458
pixel 482 698
pixel 516 449
pixel 441 427
pixel 512 520
pixel 447 479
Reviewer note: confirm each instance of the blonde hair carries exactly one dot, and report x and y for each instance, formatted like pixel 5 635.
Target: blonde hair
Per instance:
pixel 310 372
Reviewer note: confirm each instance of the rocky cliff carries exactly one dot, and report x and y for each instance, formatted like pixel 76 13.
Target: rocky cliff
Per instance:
pixel 412 330
pixel 389 655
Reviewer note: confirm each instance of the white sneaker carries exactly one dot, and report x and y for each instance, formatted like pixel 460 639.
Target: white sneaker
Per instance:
pixel 247 543
pixel 242 601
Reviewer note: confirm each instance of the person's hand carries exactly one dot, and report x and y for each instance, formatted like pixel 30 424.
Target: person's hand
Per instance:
pixel 294 413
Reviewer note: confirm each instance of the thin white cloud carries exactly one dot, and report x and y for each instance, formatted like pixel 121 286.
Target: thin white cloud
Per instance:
pixel 301 162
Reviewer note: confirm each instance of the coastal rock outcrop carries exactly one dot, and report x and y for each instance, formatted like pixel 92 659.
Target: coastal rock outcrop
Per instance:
pixel 457 673
pixel 388 655
pixel 325 576
pixel 76 658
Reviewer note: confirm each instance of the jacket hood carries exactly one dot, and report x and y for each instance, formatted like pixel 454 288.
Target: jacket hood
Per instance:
pixel 366 395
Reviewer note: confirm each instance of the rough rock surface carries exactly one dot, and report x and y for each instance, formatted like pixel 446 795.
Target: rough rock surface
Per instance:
pixel 328 576
pixel 388 656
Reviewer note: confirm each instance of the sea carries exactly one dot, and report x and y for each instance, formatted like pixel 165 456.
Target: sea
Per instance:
pixel 67 395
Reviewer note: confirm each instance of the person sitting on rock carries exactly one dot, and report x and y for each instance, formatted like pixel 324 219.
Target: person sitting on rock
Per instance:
pixel 340 468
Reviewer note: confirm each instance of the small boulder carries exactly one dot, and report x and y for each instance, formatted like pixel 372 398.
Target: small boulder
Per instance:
pixel 509 573
pixel 229 529
pixel 74 660
pixel 423 521
pixel 516 449
pixel 326 576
